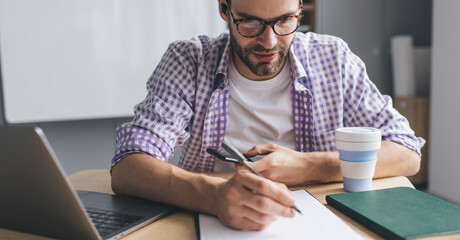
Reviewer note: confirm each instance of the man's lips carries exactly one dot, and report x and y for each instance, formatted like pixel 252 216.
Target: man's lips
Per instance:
pixel 265 57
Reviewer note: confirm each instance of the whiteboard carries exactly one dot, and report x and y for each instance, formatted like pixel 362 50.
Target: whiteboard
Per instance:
pixel 87 59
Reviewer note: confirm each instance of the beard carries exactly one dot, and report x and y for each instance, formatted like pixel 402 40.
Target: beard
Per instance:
pixel 260 68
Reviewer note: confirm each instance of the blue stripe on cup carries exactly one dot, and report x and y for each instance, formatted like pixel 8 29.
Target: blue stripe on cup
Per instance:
pixel 356 156
pixel 357 185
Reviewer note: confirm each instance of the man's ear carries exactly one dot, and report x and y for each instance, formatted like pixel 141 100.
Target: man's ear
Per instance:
pixel 223 10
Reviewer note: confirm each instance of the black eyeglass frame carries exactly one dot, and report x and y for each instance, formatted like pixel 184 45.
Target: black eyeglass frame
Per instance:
pixel 265 23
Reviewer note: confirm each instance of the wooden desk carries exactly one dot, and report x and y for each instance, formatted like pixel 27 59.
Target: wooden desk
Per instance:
pixel 181 225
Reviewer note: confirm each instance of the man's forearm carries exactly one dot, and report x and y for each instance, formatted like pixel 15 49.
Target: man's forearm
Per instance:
pixel 392 160
pixel 245 201
pixel 146 177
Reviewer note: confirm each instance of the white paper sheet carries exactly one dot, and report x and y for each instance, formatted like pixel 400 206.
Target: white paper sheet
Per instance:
pixel 317 222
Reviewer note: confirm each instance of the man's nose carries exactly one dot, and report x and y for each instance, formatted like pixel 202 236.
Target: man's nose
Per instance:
pixel 268 38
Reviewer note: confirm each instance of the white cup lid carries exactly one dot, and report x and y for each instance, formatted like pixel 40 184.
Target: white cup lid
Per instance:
pixel 358 134
pixel 357 146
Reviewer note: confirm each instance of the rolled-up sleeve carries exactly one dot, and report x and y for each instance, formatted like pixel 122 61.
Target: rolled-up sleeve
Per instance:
pixel 161 121
pixel 366 106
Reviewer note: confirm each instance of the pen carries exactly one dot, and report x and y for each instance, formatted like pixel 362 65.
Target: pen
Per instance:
pixel 218 155
pixel 242 160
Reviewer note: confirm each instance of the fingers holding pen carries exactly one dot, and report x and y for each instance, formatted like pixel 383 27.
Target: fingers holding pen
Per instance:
pixel 262 149
pixel 281 164
pixel 272 191
pixel 253 200
pixel 266 152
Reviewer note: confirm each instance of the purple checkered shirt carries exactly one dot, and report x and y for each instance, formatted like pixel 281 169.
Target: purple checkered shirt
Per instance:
pixel 188 96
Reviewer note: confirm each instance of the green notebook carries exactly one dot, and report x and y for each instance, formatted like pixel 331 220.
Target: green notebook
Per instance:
pixel 399 213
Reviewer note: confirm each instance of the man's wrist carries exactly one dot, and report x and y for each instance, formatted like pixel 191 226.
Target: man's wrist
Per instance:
pixel 211 185
pixel 322 167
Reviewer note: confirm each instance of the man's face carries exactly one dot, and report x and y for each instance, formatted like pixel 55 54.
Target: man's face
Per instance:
pixel 261 57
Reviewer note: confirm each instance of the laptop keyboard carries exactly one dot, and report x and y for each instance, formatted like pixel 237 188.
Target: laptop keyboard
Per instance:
pixel 106 221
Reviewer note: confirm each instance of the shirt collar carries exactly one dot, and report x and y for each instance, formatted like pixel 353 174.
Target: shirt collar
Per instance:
pixel 298 70
pixel 220 77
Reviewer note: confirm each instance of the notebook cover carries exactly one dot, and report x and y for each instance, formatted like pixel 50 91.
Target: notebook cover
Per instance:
pixel 399 213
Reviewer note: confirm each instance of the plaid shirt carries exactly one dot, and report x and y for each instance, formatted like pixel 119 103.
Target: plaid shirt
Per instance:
pixel 188 96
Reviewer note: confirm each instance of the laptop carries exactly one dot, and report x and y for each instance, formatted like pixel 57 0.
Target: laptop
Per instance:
pixel 37 197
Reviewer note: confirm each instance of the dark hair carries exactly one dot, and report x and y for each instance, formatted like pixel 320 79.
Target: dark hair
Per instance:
pixel 229 2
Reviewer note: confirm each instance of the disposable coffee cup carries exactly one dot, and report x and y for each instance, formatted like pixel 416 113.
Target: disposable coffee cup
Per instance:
pixel 358 147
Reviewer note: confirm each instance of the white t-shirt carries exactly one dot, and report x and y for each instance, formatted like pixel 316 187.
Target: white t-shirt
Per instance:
pixel 259 112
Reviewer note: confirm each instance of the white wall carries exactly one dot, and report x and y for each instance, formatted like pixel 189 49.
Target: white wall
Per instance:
pixel 444 169
pixel 87 144
pixel 73 59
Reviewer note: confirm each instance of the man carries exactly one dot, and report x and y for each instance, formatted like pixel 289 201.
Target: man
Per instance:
pixel 265 89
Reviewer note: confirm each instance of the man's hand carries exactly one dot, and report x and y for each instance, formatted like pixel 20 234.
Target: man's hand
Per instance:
pixel 250 202
pixel 281 164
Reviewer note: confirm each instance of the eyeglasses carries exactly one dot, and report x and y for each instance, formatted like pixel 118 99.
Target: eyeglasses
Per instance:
pixel 253 27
